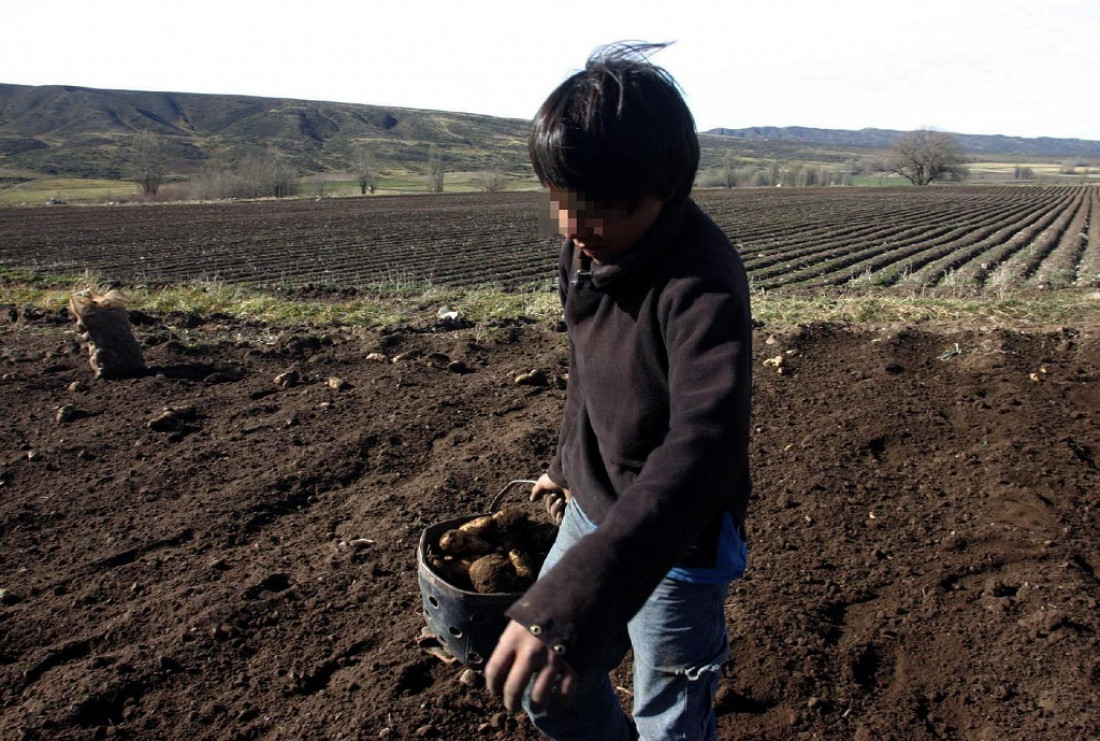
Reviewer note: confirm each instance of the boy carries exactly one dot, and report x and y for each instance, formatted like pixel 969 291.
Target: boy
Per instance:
pixel 651 479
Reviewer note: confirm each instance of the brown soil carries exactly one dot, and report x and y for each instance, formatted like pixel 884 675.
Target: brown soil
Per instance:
pixel 924 537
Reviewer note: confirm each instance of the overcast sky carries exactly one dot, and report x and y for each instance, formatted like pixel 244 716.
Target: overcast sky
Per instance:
pixel 1021 68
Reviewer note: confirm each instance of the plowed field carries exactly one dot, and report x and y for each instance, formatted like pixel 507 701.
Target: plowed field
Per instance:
pixel 923 536
pixel 950 237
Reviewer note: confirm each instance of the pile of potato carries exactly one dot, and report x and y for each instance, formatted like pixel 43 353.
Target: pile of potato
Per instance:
pixel 502 552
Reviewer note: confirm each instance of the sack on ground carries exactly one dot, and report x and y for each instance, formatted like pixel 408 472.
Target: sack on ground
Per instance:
pixel 113 352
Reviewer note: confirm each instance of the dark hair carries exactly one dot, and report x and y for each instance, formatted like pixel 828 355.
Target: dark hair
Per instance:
pixel 617 131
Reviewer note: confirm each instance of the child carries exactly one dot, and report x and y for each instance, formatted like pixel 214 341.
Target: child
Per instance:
pixel 651 476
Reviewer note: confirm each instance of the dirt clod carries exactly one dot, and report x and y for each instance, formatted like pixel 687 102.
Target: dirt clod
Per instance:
pixel 536 377
pixel 288 378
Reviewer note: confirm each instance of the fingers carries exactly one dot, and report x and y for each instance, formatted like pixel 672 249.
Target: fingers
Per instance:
pixel 550 687
pixel 553 687
pixel 551 499
pixel 545 485
pixel 517 656
pixel 497 670
pixel 544 689
pixel 567 686
pixel 515 686
pixel 521 660
pixel 555 507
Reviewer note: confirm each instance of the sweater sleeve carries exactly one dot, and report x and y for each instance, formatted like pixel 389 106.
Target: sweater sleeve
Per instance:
pixel 596 588
pixel 556 471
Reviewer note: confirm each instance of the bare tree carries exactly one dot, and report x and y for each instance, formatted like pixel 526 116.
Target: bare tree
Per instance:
pixel 208 183
pixel 252 177
pixel 490 182
pixel 148 162
pixel 266 175
pixel 775 173
pixel 1069 167
pixel 283 176
pixel 925 156
pixel 366 174
pixel 728 167
pixel 435 170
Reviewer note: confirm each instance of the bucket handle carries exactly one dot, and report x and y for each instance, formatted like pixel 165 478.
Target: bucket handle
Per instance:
pixel 496 500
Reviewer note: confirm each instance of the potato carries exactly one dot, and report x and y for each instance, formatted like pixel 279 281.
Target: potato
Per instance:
pixel 494 573
pixel 501 552
pixel 479 526
pixel 509 518
pixel 521 562
pixel 541 537
pixel 455 571
pixel 460 543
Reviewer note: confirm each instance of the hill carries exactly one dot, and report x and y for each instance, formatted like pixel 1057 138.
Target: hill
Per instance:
pixel 86 132
pixel 975 144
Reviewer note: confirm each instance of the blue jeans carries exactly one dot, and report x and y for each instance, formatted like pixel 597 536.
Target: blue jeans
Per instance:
pixel 679 643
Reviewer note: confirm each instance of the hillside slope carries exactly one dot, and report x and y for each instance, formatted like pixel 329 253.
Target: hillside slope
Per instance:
pixel 85 132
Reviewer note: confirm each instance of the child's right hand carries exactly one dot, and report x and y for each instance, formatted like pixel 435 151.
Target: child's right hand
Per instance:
pixel 520 660
pixel 555 497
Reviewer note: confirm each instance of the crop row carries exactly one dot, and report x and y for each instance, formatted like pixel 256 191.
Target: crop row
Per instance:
pixel 974 236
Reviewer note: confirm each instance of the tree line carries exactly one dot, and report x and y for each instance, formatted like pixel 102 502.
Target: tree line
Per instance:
pixel 269 174
pixel 922 157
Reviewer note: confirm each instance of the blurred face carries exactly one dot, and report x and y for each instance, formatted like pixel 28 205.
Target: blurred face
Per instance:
pixel 602 231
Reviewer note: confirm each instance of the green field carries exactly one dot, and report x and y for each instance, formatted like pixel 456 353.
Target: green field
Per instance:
pixel 40 190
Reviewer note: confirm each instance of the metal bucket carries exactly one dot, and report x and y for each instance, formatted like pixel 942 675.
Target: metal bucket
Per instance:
pixel 468 623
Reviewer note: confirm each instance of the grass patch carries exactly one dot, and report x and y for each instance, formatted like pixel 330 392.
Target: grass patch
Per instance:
pixel 41 189
pixel 396 303
pixel 453 182
pixel 372 306
pixel 1011 309
pixel 879 180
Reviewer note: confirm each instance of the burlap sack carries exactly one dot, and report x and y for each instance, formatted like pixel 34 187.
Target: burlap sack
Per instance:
pixel 113 351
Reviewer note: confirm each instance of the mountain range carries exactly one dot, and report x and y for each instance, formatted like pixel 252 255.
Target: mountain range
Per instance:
pixel 974 144
pixel 87 132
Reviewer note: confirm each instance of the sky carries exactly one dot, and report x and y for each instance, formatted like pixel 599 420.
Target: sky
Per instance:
pixel 1009 67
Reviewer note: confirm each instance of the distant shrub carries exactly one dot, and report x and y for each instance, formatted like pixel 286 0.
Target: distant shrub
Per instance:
pixel 255 177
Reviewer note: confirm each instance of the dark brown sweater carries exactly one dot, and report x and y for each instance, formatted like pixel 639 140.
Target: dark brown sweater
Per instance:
pixel 654 437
